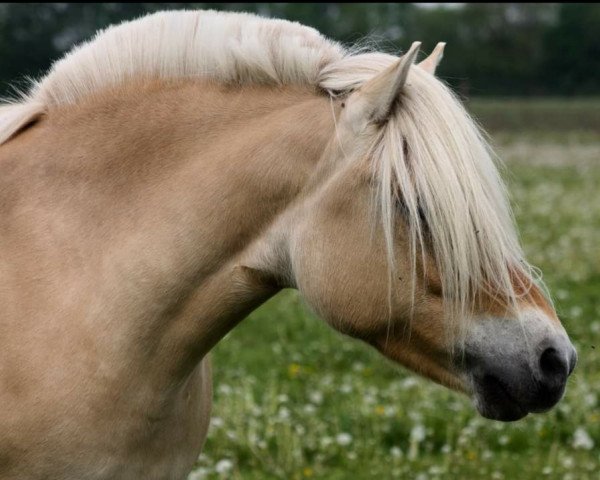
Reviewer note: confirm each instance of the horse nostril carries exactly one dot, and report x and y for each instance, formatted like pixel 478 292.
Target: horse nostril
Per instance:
pixel 554 369
pixel 552 363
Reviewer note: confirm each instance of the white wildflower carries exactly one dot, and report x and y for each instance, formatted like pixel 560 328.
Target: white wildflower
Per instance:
pixel 199 474
pixel 409 382
pixel 436 470
pixel 346 388
pixel 316 397
pixel 576 311
pixel 326 441
pixel 224 466
pixel 283 413
pixel 582 439
pixel 224 389
pixel 590 399
pixel 396 452
pixel 358 367
pixel 344 439
pixel 417 434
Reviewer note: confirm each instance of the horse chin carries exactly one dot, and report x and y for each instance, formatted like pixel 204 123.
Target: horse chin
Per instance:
pixel 494 401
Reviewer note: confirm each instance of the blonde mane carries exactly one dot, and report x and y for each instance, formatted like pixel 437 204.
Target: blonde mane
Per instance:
pixel 430 155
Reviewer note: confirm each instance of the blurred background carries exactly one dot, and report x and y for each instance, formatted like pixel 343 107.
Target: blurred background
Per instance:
pixel 293 399
pixel 511 49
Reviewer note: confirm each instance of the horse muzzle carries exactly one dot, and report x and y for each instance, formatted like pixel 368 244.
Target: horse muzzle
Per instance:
pixel 518 374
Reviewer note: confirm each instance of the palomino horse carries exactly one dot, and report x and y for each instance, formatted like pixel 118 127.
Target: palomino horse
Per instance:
pixel 166 178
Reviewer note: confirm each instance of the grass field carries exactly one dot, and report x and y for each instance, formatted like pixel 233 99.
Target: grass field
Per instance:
pixel 295 400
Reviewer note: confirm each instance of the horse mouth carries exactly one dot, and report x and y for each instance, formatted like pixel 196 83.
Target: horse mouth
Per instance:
pixel 494 400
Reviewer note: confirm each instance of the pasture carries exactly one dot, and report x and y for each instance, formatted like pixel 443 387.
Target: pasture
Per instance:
pixel 294 400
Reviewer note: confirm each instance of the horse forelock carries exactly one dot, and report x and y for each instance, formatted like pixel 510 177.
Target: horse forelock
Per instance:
pixel 433 160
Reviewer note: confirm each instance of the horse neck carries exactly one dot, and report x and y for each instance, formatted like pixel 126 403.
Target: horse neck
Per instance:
pixel 161 190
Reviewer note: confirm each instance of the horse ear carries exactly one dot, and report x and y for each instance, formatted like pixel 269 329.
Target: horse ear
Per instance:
pixel 374 100
pixel 434 59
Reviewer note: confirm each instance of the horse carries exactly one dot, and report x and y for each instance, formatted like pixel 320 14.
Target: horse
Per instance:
pixel 167 177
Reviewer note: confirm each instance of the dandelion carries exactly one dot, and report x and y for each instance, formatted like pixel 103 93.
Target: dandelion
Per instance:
pixel 576 311
pixel 294 370
pixel 308 472
pixel 369 399
pixel 224 389
pixel 546 470
pixel 223 466
pixel 358 366
pixel 283 398
pixel 217 422
pixel 409 383
pixel 326 441
pixel 417 434
pixel 590 400
pixel 396 452
pixel 283 413
pixel 436 470
pixel 198 474
pixel 390 411
pixel 346 388
pixel 316 397
pixel 582 439
pixel 343 439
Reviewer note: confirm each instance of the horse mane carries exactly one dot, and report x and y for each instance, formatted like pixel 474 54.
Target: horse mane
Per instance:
pixel 447 180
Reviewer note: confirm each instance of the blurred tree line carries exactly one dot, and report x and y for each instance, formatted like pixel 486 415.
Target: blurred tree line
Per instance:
pixel 493 49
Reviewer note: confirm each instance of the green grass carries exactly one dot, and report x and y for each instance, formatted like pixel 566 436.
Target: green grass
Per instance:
pixel 538 115
pixel 295 400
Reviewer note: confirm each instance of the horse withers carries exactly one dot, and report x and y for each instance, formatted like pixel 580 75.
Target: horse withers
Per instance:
pixel 169 176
